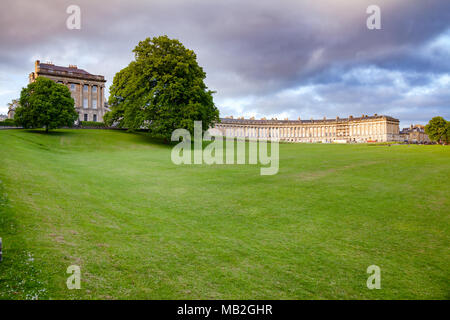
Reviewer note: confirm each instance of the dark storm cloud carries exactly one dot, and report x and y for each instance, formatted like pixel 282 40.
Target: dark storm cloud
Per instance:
pixel 254 52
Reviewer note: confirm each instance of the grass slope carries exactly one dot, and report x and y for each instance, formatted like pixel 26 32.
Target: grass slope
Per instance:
pixel 141 227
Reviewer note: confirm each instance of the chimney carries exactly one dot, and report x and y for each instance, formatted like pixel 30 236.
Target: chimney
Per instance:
pixel 72 66
pixel 36 65
pixel 337 118
pixel 299 119
pixel 376 114
pixel 324 118
pixel 350 117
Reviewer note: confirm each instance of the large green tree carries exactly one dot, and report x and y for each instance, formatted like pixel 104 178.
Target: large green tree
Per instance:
pixel 438 129
pixel 44 103
pixel 162 90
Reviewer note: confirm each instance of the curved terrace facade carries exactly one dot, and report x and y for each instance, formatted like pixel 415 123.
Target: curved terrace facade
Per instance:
pixel 376 128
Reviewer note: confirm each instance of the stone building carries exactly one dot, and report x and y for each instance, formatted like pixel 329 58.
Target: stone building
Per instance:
pixel 11 112
pixel 12 108
pixel 414 134
pixel 376 128
pixel 87 90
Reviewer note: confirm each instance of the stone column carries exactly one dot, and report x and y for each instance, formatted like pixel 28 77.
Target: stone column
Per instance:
pixel 90 96
pixel 81 94
pixel 101 95
pixel 99 89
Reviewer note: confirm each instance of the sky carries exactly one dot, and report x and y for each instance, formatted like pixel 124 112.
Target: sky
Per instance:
pixel 283 59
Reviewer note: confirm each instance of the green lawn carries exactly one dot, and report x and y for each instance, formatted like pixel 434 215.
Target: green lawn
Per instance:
pixel 141 227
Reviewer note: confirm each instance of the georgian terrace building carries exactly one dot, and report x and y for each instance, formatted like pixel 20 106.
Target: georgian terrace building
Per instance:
pixel 87 90
pixel 414 134
pixel 361 129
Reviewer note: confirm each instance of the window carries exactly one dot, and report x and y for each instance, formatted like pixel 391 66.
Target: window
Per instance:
pixel 85 88
pixel 72 87
pixel 95 118
pixel 94 104
pixel 85 117
pixel 85 103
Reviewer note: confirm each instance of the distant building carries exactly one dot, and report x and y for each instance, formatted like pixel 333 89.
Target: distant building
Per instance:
pixel 87 90
pixel 414 134
pixel 11 112
pixel 3 117
pixel 352 129
pixel 12 108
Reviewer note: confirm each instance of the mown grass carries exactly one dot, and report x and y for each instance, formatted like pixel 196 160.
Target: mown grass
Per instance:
pixel 141 227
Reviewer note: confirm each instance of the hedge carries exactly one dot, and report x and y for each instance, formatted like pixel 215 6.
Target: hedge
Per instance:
pixel 7 123
pixel 92 124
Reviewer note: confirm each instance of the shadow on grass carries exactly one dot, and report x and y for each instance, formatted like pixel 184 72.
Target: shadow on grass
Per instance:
pixel 55 133
pixel 160 141
pixel 146 137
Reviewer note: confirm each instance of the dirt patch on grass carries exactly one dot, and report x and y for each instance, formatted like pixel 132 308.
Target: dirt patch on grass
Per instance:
pixel 58 238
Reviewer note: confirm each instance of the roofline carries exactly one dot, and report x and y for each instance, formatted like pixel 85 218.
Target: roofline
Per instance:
pixel 75 73
pixel 276 121
pixel 89 77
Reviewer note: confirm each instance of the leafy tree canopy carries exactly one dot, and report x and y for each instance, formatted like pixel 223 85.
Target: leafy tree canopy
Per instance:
pixel 44 103
pixel 162 89
pixel 438 129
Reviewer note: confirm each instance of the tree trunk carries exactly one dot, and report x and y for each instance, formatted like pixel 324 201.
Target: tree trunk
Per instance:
pixel 46 128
